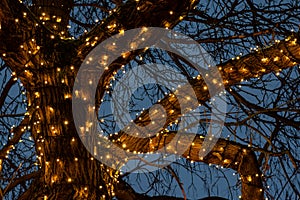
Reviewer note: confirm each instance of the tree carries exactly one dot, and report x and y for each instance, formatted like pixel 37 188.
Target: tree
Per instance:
pixel 44 44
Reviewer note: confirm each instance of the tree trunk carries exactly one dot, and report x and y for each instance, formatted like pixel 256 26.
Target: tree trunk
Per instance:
pixel 69 171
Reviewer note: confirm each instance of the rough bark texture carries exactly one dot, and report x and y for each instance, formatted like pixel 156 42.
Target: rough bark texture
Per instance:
pixel 67 170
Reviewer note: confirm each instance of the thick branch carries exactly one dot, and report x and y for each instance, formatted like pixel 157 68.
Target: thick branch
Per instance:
pixel 18 45
pixel 225 153
pixel 135 14
pixel 273 59
pixel 228 154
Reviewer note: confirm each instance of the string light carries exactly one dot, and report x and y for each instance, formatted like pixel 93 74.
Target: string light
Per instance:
pixel 249 178
pixel 124 145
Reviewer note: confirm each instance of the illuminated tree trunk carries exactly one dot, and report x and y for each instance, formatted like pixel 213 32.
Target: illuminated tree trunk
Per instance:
pixel 67 170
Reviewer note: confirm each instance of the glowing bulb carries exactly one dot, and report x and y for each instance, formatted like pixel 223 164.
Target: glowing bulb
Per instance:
pixel 249 178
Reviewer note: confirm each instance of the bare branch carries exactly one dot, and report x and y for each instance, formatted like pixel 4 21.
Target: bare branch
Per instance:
pixel 21 180
pixel 18 132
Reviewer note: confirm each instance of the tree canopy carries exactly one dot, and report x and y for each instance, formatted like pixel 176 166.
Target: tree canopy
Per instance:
pixel 255 45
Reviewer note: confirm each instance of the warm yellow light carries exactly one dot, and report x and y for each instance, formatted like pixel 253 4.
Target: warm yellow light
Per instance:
pixel 226 161
pixel 67 96
pixel 37 94
pixel 122 31
pixel 167 25
pixel 249 178
pixel 51 109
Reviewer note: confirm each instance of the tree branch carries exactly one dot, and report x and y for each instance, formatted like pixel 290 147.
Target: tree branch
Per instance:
pixel 6 90
pixel 18 48
pixel 125 192
pixel 228 154
pixel 18 132
pixel 20 180
pixel 273 114
pixel 225 153
pixel 144 13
